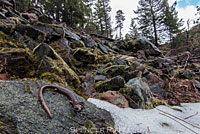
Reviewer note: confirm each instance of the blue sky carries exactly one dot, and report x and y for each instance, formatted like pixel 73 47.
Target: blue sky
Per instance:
pixel 184 3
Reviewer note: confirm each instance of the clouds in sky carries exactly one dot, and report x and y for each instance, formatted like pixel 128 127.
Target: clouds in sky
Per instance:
pixel 127 6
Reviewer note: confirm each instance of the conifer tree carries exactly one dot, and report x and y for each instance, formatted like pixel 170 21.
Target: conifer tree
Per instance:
pixel 133 29
pixel 120 18
pixel 172 23
pixel 198 13
pixel 150 19
pixel 102 16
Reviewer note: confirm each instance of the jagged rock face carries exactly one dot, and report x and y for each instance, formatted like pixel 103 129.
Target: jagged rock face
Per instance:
pixel 21 110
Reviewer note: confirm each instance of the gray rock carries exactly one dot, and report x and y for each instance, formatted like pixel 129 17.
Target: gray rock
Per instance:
pixel 35 34
pixel 113 84
pixel 120 62
pixel 89 42
pixel 103 48
pixel 157 89
pixel 85 56
pixel 197 84
pixel 117 82
pixel 51 33
pixel 149 48
pixel 130 75
pixel 44 50
pixel 46 19
pixel 21 110
pixel 139 92
pixel 70 35
pixel 99 77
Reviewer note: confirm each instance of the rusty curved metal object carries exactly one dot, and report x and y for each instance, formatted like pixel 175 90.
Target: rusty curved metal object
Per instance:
pixel 77 106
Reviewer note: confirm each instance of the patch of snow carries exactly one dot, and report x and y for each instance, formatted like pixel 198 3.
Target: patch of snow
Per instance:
pixel 130 121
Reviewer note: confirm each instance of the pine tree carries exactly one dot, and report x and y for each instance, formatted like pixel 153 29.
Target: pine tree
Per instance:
pixel 75 13
pixel 102 16
pixel 133 29
pixel 171 21
pixel 22 5
pixel 120 18
pixel 198 13
pixel 150 19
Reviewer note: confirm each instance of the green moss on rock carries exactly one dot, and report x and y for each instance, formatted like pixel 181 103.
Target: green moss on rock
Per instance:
pixel 51 78
pixel 155 102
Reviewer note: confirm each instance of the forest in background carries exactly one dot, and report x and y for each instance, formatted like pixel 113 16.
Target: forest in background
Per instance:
pixel 156 19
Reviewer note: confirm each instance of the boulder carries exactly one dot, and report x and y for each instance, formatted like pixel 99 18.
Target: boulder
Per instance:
pixel 52 67
pixel 88 84
pixel 63 48
pixel 43 49
pixel 70 35
pixel 115 70
pixel 103 48
pixel 35 34
pixel 21 111
pixel 196 84
pixel 113 84
pixel 131 75
pixel 115 98
pixel 156 84
pixel 16 63
pixel 149 48
pixel 84 56
pixel 139 91
pixel 99 77
pixel 88 41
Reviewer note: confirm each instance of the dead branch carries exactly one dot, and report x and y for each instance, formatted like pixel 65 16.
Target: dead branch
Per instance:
pixel 188 57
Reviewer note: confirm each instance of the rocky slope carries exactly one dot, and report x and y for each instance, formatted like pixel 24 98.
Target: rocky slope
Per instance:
pixel 132 73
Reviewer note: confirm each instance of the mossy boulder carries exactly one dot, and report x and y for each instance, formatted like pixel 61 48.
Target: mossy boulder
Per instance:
pixel 56 65
pixel 113 84
pixel 84 56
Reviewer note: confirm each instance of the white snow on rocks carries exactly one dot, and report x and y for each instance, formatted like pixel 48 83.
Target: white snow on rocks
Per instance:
pixel 130 121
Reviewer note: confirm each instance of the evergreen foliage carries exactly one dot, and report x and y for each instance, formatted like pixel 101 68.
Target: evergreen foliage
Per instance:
pixel 102 17
pixel 172 23
pixel 120 18
pixel 198 13
pixel 150 19
pixel 75 13
pixel 133 29
pixel 157 20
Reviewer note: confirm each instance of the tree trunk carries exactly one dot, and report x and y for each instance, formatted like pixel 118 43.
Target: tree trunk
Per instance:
pixel 154 26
